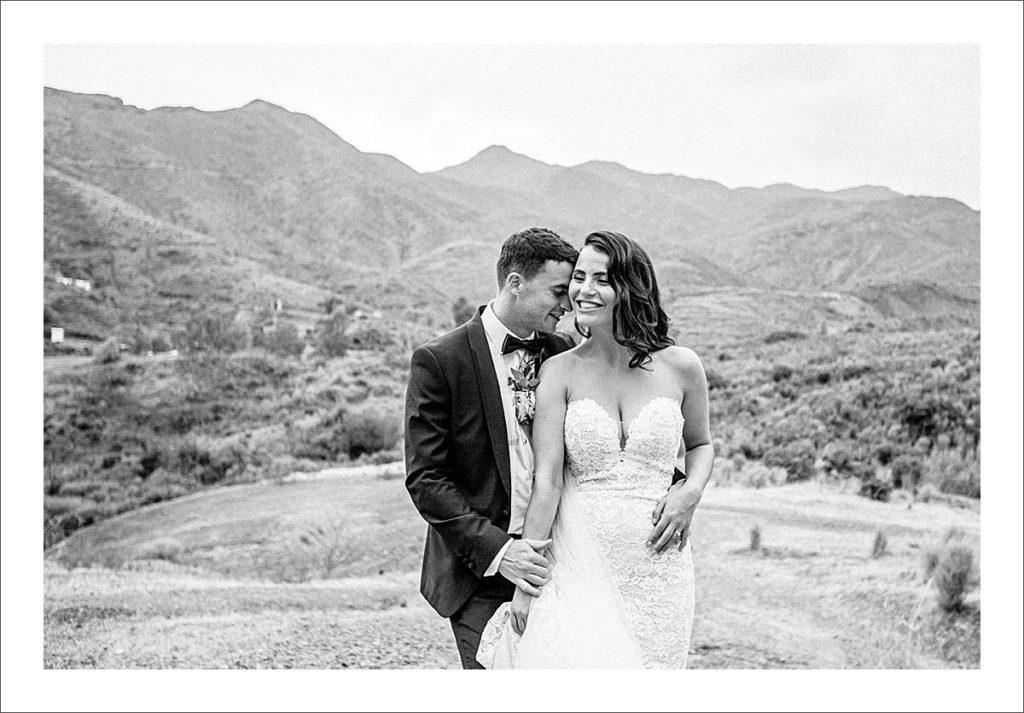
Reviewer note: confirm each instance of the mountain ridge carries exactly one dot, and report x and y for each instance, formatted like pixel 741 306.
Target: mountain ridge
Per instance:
pixel 279 189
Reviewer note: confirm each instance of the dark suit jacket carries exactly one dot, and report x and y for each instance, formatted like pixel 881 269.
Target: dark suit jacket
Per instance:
pixel 457 461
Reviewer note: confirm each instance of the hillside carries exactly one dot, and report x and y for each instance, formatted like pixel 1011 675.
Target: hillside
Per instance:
pixel 168 209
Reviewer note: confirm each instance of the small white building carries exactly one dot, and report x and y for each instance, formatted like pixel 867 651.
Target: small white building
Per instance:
pixel 56 335
pixel 83 285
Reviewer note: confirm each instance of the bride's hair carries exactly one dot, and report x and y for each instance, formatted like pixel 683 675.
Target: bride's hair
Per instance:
pixel 638 321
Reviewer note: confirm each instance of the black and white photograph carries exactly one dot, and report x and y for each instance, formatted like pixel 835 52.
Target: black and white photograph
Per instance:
pixel 649 338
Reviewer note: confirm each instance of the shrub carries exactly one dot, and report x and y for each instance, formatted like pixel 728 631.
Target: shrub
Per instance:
pixel 715 380
pixel 108 353
pixel 781 372
pixel 906 472
pixel 954 575
pixel 855 371
pixel 325 542
pixel 216 331
pixel 758 475
pixel 283 340
pixel 369 337
pixel 876 489
pixel 885 453
pixel 329 337
pixel 209 466
pixel 797 458
pixel 83 488
pixel 462 311
pixel 783 336
pixel 953 474
pixel 56 505
pixel 372 428
pixel 932 552
pixel 165 548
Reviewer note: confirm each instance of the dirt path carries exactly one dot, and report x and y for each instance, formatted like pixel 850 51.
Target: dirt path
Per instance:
pixel 812 597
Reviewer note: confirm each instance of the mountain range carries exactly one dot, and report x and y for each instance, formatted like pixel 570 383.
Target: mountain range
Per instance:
pixel 172 210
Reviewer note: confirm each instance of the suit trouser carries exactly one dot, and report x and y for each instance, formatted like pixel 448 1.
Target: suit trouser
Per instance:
pixel 469 621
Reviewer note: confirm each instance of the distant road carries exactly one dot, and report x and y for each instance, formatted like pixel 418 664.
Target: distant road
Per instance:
pixel 65 362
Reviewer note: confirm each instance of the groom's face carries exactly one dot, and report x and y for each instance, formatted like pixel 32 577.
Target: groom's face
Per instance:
pixel 544 298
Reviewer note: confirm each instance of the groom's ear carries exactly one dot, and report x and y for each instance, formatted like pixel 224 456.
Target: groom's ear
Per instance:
pixel 514 282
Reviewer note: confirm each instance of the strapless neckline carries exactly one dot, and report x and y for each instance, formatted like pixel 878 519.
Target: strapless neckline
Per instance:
pixel 623 444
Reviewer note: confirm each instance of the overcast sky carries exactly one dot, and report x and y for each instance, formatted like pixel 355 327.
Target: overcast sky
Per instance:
pixel 819 116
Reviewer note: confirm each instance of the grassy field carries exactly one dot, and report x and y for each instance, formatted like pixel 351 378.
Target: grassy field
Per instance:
pixel 322 572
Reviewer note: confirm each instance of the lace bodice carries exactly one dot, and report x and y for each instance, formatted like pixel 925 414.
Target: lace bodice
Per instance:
pixel 652 442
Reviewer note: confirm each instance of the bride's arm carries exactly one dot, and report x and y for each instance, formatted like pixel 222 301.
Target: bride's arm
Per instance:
pixel 674 512
pixel 548 451
pixel 548 456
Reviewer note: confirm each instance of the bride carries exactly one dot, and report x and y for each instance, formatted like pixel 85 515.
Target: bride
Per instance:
pixel 613 418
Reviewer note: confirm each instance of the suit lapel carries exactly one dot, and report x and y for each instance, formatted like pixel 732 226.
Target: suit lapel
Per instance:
pixel 494 412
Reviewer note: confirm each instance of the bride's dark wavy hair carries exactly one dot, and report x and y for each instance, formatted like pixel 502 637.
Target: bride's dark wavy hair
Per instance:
pixel 638 321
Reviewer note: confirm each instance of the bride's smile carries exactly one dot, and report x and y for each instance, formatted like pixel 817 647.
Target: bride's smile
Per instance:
pixel 591 290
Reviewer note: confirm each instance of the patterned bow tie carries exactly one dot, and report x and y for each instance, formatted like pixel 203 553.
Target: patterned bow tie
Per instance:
pixel 513 342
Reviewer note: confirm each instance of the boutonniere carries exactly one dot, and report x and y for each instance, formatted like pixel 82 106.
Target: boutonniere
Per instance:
pixel 524 388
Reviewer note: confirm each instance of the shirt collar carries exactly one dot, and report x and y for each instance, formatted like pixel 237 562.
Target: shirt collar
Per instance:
pixel 494 328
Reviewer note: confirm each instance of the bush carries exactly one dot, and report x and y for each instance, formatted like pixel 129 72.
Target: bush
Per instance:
pixel 57 505
pixel 330 338
pixel 954 576
pixel 781 372
pixel 855 371
pixel 372 428
pixel 283 340
pixel 715 380
pixel 906 472
pixel 876 489
pixel 953 474
pixel 369 337
pixel 214 331
pixel 209 465
pixel 784 336
pixel 108 353
pixel 932 552
pixel 885 453
pixel 462 311
pixel 758 475
pixel 797 458
pixel 165 548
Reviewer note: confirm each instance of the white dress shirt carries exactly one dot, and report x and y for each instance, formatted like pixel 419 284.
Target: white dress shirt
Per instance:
pixel 520 452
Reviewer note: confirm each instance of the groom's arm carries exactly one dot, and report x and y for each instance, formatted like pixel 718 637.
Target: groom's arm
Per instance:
pixel 429 479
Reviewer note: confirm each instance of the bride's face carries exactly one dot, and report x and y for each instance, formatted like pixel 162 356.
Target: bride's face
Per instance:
pixel 590 290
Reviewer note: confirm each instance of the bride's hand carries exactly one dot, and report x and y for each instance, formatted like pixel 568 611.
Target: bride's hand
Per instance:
pixel 520 611
pixel 672 516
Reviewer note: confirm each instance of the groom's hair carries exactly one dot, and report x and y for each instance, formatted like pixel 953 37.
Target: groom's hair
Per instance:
pixel 526 252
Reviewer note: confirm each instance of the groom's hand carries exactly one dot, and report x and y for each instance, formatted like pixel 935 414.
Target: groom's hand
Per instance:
pixel 525 566
pixel 672 516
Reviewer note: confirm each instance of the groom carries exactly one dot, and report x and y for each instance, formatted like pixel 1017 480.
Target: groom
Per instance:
pixel 469 464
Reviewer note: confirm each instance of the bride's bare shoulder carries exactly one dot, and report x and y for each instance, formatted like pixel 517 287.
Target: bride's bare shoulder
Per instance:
pixel 681 359
pixel 560 364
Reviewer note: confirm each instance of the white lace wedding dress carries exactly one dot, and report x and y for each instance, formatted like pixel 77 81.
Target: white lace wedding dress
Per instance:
pixel 610 602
